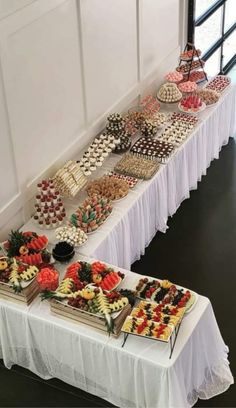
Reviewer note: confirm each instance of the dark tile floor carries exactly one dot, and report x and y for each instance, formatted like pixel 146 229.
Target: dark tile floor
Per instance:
pixel 201 240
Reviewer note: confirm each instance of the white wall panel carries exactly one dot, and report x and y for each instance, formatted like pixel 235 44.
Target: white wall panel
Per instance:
pixel 8 181
pixel 10 6
pixel 43 87
pixel 159 32
pixel 16 221
pixel 110 52
pixel 65 64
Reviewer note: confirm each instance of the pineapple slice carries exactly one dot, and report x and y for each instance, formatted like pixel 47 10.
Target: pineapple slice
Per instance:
pixel 104 308
pixel 66 286
pixel 14 277
pixel 29 273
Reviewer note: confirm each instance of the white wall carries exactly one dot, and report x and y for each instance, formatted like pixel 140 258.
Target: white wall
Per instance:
pixel 64 65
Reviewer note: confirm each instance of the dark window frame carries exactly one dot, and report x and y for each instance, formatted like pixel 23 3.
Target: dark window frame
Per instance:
pixel 192 23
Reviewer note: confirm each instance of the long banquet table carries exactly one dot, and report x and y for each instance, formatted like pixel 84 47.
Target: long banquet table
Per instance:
pixel 136 219
pixel 138 375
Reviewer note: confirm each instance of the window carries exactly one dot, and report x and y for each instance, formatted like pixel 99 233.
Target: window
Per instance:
pixel 212 28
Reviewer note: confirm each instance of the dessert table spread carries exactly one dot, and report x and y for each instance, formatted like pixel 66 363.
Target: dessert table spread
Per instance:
pixel 140 374
pixel 145 210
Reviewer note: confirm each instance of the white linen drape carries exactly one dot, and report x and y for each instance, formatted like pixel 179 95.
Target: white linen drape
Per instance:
pixel 139 375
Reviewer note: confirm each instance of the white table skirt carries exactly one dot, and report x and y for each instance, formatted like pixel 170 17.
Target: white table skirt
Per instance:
pixel 139 375
pixel 146 210
pixel 136 219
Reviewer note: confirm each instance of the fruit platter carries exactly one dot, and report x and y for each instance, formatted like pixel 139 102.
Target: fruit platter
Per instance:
pixel 27 247
pixel 91 214
pixel 165 293
pixel 159 313
pixel 192 104
pixel 87 294
pixel 17 280
pixel 153 321
pixel 147 328
pixel 97 273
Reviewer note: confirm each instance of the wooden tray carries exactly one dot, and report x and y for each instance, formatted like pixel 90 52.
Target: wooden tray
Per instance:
pixel 26 296
pixel 76 315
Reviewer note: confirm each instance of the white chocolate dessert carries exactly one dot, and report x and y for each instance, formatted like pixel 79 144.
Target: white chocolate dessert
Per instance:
pixel 176 132
pixel 72 235
pixel 169 93
pixel 69 180
pixel 98 150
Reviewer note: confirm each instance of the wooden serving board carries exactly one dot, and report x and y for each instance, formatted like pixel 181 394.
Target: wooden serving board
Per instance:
pixel 26 296
pixel 76 315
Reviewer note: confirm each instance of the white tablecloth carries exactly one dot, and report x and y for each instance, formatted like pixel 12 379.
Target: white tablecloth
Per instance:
pixel 136 219
pixel 139 375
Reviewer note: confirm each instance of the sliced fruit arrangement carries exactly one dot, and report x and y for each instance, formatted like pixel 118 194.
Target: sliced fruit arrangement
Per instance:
pixel 28 247
pixel 164 292
pixel 152 320
pixel 147 328
pixel 96 272
pixel 90 299
pixel 48 278
pixel 14 272
pixel 158 313
pixel 153 308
